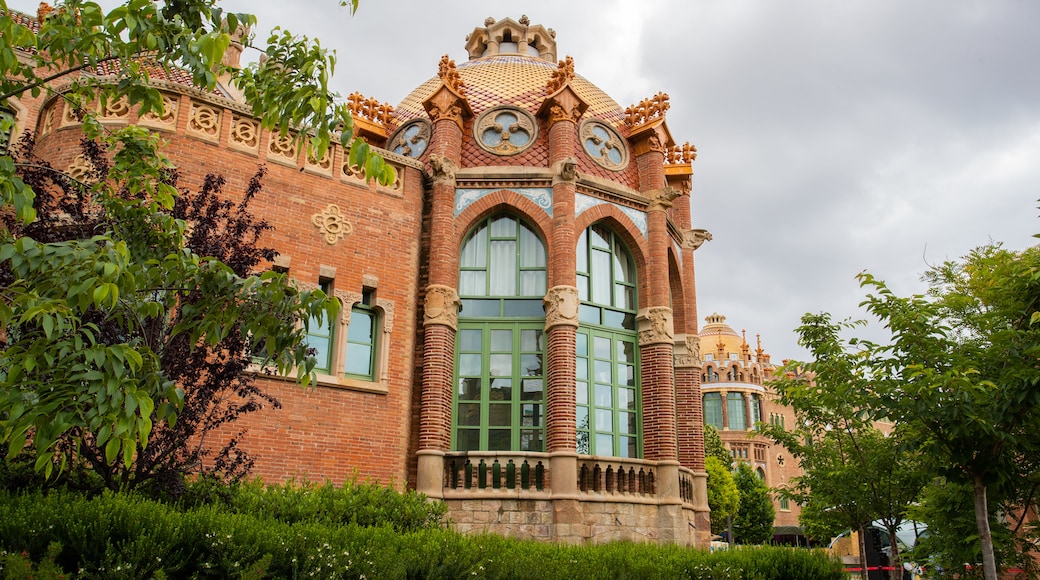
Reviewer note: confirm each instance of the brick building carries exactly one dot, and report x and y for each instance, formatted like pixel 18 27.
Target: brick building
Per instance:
pixel 519 332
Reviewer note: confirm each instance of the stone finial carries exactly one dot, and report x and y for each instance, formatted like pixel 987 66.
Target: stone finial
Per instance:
pixel 693 239
pixel 369 108
pixel 562 75
pixel 525 20
pixel 647 110
pixel 450 75
pixel 489 21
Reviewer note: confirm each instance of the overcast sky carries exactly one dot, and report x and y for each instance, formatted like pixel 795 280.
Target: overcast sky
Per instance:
pixel 833 137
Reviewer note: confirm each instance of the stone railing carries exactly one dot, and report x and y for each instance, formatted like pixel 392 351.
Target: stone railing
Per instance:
pixel 479 471
pixel 617 477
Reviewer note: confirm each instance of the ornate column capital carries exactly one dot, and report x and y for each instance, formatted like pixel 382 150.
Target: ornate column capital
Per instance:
pixel 655 326
pixel 442 169
pixel 565 170
pixel 441 306
pixel 561 307
pixel 661 199
pixel 693 239
pixel 687 352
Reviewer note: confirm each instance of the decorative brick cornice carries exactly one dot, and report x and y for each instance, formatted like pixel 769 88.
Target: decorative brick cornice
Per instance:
pixel 441 306
pixel 655 326
pixel 561 307
pixel 442 169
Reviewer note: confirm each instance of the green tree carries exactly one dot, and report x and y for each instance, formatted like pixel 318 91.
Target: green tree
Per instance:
pixel 714 447
pixel 63 376
pixel 754 521
pixel 723 497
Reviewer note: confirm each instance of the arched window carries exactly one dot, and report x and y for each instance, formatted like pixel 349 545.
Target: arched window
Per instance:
pixel 500 346
pixel 756 409
pixel 607 393
pixel 712 376
pixel 713 410
pixel 735 411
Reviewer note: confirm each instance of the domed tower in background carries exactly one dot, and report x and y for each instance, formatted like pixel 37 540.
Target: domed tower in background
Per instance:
pixel 736 396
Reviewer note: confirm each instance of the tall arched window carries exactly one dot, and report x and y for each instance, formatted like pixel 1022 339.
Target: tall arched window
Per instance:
pixel 607 394
pixel 500 347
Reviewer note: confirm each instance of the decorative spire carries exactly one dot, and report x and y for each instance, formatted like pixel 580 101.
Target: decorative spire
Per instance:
pixel 721 346
pixel 369 108
pixel 745 348
pixel 759 352
pixel 450 75
pixel 561 76
pixel 684 154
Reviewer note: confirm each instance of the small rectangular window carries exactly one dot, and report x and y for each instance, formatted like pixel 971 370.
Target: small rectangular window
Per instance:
pixel 320 336
pixel 360 355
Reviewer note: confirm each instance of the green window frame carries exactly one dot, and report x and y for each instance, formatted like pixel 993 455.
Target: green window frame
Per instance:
pixel 756 409
pixel 608 394
pixel 320 336
pixel 499 399
pixel 713 410
pixel 359 357
pixel 736 412
pixel 785 504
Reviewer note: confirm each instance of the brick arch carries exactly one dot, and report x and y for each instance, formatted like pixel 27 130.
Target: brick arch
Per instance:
pixel 675 284
pixel 621 225
pixel 504 200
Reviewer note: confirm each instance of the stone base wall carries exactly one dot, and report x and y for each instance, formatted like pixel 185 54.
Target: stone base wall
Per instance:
pixel 573 521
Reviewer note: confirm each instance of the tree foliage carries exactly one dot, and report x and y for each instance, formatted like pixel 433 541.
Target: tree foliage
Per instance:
pixel 753 523
pixel 104 296
pixel 723 497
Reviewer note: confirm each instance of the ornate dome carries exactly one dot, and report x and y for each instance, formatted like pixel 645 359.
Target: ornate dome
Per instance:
pixel 715 331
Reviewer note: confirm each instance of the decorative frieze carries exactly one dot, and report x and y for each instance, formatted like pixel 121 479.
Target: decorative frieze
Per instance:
pixel 282 147
pixel 204 121
pixel 323 165
pixel 561 307
pixel 441 306
pixel 165 119
pixel 332 224
pixel 81 169
pixel 245 133
pixel 114 110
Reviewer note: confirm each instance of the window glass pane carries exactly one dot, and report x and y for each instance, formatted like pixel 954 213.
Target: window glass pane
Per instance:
pixel 602 347
pixel 499 439
pixel 601 371
pixel 500 415
pixel 469 340
pixel 524 309
pixel 626 399
pixel 626 375
pixel 624 271
pixel 627 422
pixel 469 389
pixel 531 340
pixel 583 287
pixel 604 396
pixel 531 415
pixel 474 252
pixel 501 365
pixel 583 253
pixel 531 440
pixel 629 447
pixel 582 443
pixel 582 417
pixel 626 351
pixel 601 277
pixel 481 308
pixel 604 420
pixel 604 444
pixel 469 414
pixel 532 252
pixel 582 346
pixel 713 410
pixel 320 345
pixel 501 340
pixel 532 282
pixel 589 314
pixel 581 393
pixel 598 236
pixel 469 364
pixel 531 365
pixel 473 283
pixel 359 359
pixel 503 227
pixel 735 412
pixel 501 390
pixel 502 269
pixel 625 296
pixel 468 440
pixel 532 390
pixel 360 329
pixel 615 319
pixel 582 371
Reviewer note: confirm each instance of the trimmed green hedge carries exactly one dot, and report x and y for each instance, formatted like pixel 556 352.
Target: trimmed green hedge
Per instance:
pixel 299 536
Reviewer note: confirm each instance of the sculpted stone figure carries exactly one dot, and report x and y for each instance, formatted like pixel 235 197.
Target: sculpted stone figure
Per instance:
pixel 561 306
pixel 442 169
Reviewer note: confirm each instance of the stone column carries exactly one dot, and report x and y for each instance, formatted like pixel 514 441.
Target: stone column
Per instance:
pixel 447 108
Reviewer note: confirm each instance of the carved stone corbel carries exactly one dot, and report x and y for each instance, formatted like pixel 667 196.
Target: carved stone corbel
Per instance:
pixel 442 169
pixel 565 170
pixel 561 307
pixel 687 351
pixel 661 199
pixel 441 306
pixel 693 239
pixel 655 326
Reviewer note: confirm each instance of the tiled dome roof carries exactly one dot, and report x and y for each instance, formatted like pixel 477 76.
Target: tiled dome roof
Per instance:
pixel 512 79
